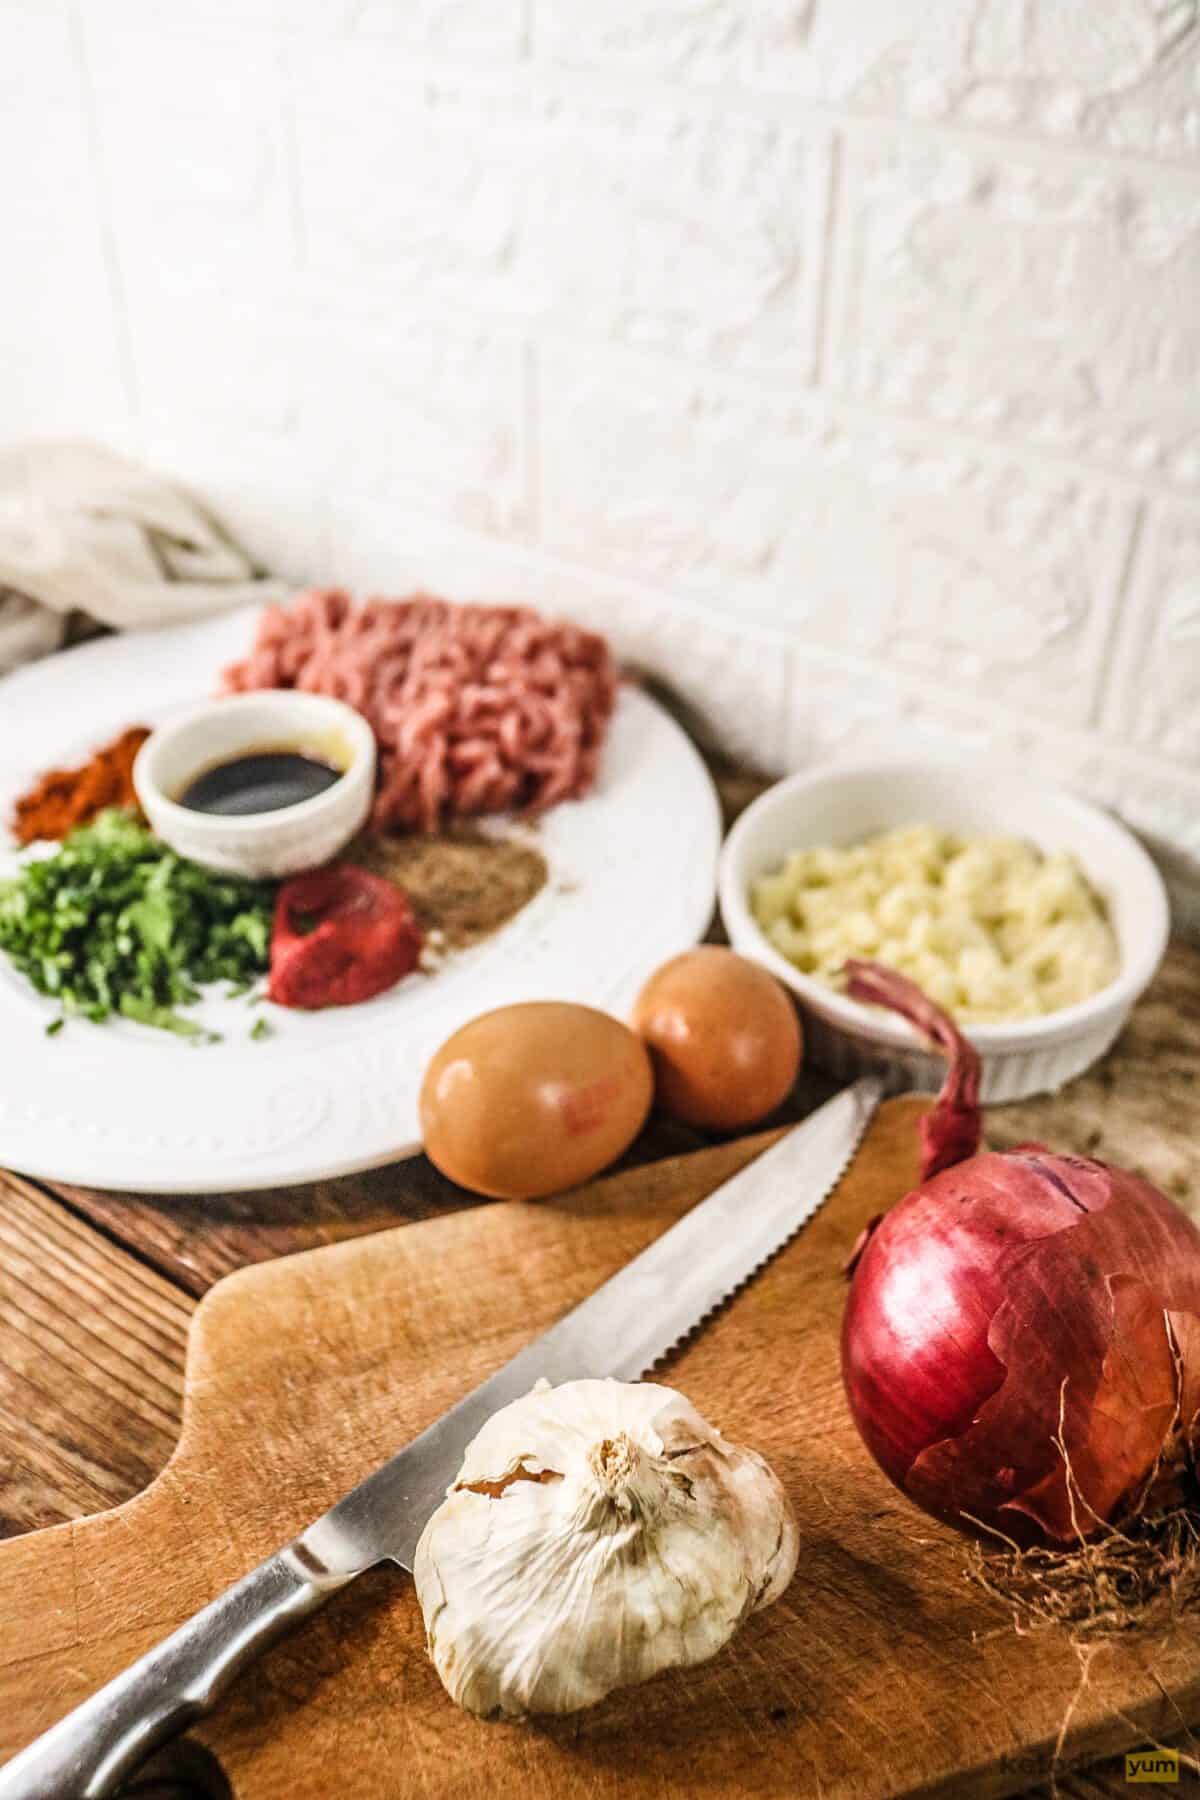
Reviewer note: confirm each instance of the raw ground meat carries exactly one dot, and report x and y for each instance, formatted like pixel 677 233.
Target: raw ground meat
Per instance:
pixel 475 708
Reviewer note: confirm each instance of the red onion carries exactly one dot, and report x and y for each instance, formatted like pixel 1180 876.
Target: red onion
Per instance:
pixel 1021 1343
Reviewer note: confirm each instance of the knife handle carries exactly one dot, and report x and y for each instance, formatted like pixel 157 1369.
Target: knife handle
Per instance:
pixel 90 1752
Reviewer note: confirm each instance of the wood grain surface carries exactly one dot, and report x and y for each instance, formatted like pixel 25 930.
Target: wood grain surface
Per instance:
pixel 880 1672
pixel 75 1265
pixel 92 1378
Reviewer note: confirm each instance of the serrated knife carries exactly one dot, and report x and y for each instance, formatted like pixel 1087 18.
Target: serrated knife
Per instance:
pixel 622 1330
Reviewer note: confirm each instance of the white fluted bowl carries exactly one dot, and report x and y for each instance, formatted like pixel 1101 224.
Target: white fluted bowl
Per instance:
pixel 842 806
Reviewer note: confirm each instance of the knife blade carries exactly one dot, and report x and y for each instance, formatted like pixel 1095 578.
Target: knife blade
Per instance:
pixel 623 1329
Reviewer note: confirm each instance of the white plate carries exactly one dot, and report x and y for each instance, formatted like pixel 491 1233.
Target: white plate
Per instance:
pixel 632 880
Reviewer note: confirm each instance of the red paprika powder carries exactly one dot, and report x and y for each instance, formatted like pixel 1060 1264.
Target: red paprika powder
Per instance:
pixel 63 798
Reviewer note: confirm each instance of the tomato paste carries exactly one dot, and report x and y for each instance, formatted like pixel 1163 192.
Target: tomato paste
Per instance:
pixel 340 935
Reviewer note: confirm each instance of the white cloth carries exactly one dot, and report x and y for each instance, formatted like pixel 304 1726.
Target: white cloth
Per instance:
pixel 83 530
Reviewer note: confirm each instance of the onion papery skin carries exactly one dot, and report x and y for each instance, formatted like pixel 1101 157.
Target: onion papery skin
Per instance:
pixel 1015 1306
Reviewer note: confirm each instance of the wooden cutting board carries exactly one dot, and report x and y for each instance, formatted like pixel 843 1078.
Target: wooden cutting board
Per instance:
pixel 881 1672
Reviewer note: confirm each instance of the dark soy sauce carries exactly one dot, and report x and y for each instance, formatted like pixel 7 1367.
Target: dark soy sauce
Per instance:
pixel 261 781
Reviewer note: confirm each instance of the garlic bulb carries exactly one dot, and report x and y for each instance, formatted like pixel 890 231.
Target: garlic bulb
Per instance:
pixel 597 1532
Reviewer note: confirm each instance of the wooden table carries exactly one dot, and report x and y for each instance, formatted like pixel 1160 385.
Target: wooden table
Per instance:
pixel 96 1289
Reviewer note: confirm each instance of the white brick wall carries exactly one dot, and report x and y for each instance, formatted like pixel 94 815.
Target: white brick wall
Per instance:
pixel 840 357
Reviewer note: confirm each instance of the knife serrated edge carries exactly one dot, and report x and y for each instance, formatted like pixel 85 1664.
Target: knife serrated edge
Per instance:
pixel 660 1298
pixel 871 1092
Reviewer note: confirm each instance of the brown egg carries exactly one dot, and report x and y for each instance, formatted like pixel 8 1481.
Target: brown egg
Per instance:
pixel 723 1035
pixel 531 1099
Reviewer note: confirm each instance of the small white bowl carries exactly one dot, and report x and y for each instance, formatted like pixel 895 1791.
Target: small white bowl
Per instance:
pixel 283 842
pixel 841 806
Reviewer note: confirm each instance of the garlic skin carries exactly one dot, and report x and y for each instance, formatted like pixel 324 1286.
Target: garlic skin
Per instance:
pixel 597 1533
